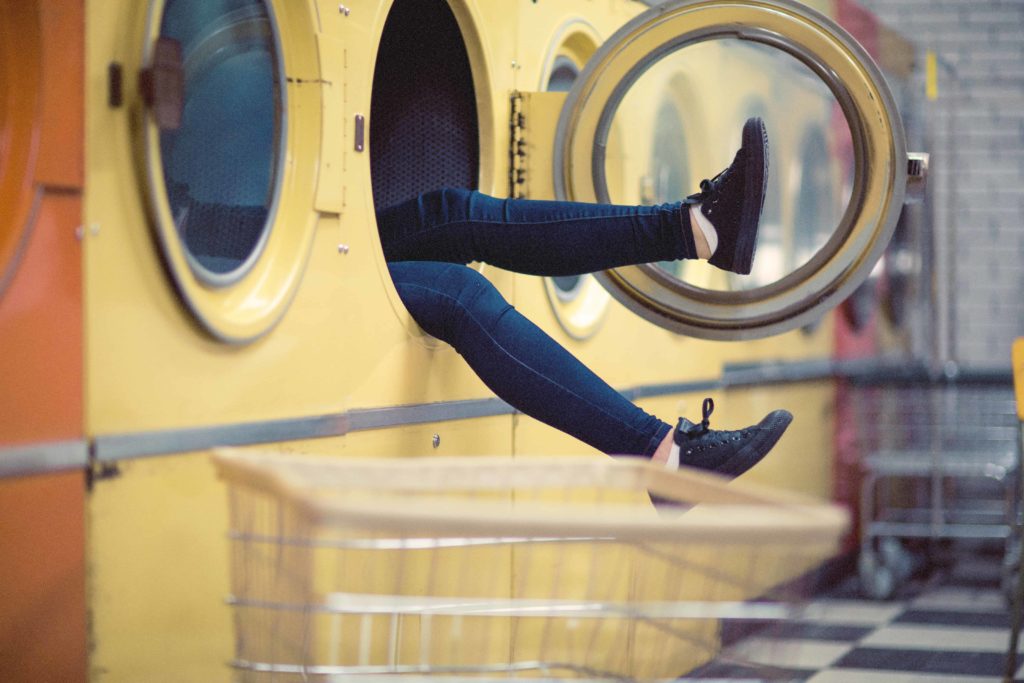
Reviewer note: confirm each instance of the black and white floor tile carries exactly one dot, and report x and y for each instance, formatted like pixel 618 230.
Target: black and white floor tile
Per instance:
pixel 951 625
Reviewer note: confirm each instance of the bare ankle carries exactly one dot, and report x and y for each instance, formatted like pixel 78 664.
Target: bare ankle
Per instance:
pixel 664 449
pixel 703 249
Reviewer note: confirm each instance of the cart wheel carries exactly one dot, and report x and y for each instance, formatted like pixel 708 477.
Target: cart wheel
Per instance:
pixel 876 580
pixel 897 558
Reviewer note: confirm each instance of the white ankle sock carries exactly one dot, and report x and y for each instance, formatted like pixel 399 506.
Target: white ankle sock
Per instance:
pixel 710 234
pixel 673 458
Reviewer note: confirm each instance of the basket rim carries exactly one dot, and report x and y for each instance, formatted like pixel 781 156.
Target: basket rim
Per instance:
pixel 716 510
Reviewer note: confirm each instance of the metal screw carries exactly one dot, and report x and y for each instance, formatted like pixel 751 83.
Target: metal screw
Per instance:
pixel 516 65
pixel 344 10
pixel 436 441
pixel 94 229
pixel 342 248
pixel 80 232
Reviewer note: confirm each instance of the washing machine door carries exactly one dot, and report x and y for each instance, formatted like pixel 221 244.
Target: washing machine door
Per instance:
pixel 227 109
pixel 728 60
pixel 20 79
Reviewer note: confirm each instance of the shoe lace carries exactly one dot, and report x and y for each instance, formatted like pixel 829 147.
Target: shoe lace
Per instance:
pixel 709 187
pixel 712 437
pixel 706 409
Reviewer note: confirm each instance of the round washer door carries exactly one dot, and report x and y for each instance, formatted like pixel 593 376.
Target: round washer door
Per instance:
pixel 807 53
pixel 222 127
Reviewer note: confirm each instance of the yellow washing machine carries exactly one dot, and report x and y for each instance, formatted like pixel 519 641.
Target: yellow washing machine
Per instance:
pixel 235 287
pixel 669 125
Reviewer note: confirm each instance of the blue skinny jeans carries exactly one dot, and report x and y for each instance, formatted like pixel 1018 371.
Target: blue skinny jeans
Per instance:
pixel 429 240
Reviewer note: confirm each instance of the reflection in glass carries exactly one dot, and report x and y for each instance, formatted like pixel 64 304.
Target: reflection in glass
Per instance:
pixel 564 73
pixel 220 166
pixel 682 121
pixel 817 208
pixel 669 170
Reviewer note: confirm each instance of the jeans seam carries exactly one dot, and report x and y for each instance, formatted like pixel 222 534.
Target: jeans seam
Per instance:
pixel 483 328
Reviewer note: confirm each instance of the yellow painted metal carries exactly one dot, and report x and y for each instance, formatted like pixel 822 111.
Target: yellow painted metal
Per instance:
pixel 1017 362
pixel 803 460
pixel 931 75
pixel 147 360
pixel 880 191
pixel 248 309
pixel 158 574
pixel 158 561
pixel 337 125
pixel 157 557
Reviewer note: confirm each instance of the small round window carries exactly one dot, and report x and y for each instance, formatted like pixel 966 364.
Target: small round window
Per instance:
pixel 221 164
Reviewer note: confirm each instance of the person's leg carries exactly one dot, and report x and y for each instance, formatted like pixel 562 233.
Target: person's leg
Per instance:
pixel 533 237
pixel 555 238
pixel 537 376
pixel 519 362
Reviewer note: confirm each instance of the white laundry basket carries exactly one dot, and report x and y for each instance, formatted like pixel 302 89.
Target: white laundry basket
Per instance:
pixel 496 568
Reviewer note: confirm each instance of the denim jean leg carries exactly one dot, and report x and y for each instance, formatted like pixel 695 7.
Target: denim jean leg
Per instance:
pixel 533 236
pixel 519 362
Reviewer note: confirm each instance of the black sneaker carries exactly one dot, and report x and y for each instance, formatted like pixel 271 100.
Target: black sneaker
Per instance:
pixel 733 199
pixel 729 453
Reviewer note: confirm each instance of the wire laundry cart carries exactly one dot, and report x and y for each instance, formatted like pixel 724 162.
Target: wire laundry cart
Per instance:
pixel 941 463
pixel 493 568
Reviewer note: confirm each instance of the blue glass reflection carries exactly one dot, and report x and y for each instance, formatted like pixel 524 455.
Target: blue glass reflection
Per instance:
pixel 220 165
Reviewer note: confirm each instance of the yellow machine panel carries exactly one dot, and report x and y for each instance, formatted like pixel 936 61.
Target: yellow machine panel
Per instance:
pixel 234 290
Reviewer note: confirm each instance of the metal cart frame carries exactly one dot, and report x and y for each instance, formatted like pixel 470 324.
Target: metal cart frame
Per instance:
pixel 943 462
pixel 500 567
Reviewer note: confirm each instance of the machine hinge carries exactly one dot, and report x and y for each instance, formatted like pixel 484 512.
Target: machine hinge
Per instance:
pixel 517 147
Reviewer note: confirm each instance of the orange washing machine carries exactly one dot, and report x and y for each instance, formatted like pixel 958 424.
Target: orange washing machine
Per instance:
pixel 42 450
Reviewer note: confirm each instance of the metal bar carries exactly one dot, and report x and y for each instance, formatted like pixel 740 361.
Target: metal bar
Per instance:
pixel 39 458
pixel 354 603
pixel 927 530
pixel 380 673
pixel 432 543
pixel 114 447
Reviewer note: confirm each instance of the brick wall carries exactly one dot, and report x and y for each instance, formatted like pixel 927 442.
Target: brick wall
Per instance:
pixel 975 130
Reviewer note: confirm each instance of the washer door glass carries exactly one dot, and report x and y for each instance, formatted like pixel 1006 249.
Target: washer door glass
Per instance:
pixel 662 105
pixel 220 128
pixel 220 164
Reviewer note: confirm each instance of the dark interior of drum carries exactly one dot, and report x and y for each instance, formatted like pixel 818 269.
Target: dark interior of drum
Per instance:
pixel 423 117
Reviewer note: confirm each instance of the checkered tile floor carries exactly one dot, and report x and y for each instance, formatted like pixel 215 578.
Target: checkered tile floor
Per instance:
pixel 950 626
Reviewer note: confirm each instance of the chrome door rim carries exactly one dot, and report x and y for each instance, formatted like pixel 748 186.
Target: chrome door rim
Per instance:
pixel 880 166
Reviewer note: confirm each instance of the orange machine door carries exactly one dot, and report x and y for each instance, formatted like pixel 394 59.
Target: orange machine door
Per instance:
pixel 20 84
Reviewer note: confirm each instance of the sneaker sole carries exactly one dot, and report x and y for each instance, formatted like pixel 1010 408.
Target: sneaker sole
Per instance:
pixel 755 141
pixel 775 425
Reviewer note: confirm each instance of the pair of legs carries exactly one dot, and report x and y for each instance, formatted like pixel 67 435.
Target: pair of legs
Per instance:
pixel 427 242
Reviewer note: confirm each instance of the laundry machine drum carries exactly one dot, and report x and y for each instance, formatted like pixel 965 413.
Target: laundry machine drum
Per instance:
pixel 424 130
